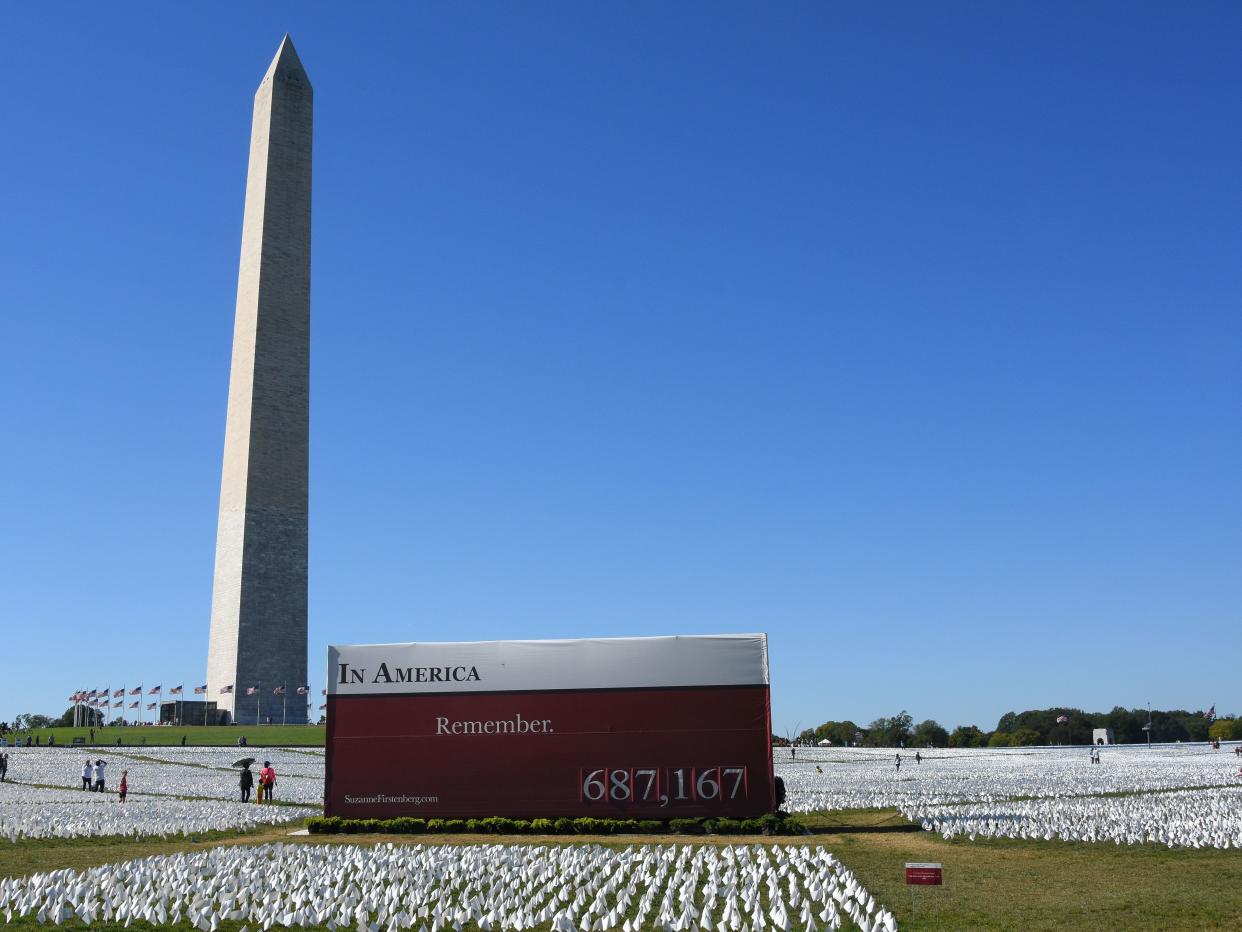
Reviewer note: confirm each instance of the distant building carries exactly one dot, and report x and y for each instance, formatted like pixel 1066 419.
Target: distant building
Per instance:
pixel 188 712
pixel 1103 736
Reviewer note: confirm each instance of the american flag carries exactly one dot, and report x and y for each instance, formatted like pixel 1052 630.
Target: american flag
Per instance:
pixel 133 705
pixel 278 691
pixel 155 689
pixel 118 705
pixel 251 690
pixel 136 691
pixel 105 690
pixel 1062 719
pixel 303 690
pixel 150 706
pixel 200 690
pixel 224 690
pixel 1210 713
pixel 119 693
pixel 175 691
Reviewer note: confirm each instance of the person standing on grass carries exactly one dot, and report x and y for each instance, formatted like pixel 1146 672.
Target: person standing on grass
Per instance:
pixel 4 766
pixel 100 766
pixel 124 787
pixel 267 781
pixel 246 782
pixel 86 774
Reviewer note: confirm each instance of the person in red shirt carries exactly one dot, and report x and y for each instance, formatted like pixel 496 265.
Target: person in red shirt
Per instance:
pixel 124 787
pixel 267 781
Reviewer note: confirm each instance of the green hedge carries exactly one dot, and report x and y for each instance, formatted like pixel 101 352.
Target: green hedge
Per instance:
pixel 498 825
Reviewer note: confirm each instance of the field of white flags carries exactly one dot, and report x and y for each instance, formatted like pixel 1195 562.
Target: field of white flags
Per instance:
pixel 1176 795
pixel 172 791
pixel 572 887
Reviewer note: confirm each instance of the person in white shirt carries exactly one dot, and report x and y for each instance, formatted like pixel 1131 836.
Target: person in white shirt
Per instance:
pixel 86 774
pixel 99 776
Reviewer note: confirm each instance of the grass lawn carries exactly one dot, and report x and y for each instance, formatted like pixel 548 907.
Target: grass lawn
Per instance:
pixel 997 884
pixel 198 735
pixel 1034 885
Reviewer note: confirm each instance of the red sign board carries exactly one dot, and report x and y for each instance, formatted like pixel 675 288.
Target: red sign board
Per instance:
pixel 926 875
pixel 614 728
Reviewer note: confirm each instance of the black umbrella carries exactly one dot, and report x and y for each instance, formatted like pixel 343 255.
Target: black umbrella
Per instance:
pixel 244 762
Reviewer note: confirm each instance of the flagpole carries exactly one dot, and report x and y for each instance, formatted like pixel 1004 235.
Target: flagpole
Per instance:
pixel 284 703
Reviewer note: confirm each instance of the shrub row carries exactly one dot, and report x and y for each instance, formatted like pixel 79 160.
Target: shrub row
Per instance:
pixel 496 825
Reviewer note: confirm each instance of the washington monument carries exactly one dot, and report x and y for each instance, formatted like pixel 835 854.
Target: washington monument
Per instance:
pixel 256 660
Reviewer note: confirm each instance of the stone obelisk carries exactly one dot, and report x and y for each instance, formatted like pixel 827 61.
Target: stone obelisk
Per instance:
pixel 258 602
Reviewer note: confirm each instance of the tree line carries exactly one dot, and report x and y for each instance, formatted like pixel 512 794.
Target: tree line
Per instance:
pixel 1023 729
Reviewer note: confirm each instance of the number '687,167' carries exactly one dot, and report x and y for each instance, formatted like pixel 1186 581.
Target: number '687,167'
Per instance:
pixel 661 786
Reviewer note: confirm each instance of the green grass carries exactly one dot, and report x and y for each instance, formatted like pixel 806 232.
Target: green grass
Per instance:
pixel 195 735
pixel 1011 884
pixel 999 884
pixel 39 855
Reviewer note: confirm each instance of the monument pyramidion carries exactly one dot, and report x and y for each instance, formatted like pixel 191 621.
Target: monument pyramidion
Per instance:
pixel 256 660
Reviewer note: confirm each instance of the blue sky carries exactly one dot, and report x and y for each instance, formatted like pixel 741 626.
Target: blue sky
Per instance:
pixel 908 334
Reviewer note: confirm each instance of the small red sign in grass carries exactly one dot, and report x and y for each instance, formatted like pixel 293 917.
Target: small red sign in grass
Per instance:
pixel 924 874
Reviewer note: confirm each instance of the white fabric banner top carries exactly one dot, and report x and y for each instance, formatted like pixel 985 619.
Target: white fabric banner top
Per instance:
pixel 540 666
